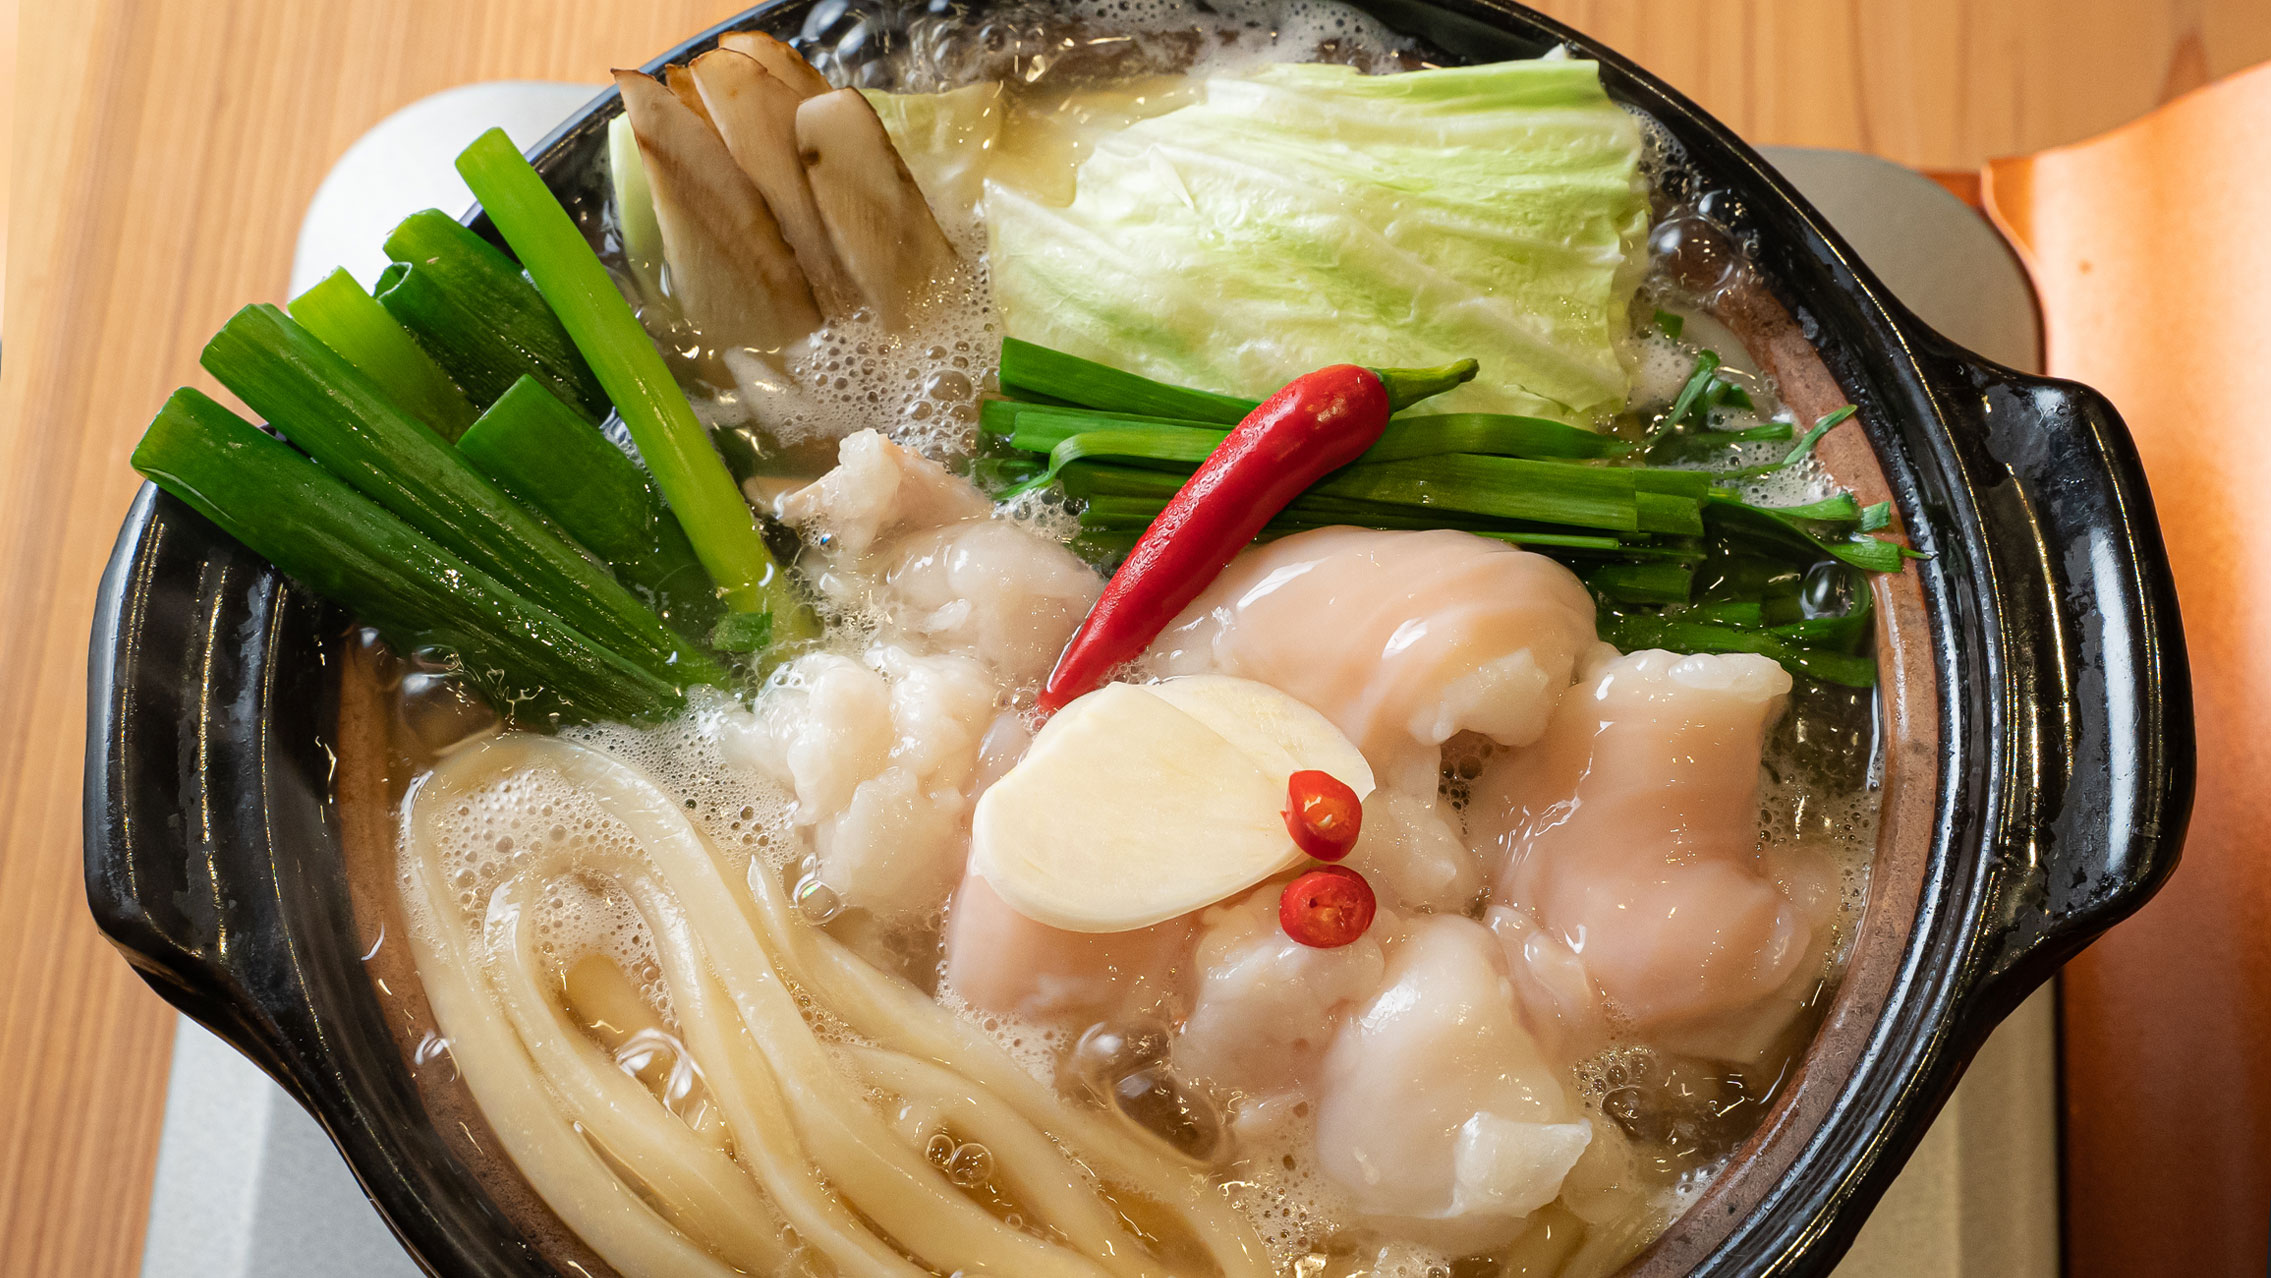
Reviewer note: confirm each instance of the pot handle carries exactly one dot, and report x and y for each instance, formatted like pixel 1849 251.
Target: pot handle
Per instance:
pixel 180 710
pixel 2076 600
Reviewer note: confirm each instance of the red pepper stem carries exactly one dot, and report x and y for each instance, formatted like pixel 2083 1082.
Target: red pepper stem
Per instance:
pixel 1408 386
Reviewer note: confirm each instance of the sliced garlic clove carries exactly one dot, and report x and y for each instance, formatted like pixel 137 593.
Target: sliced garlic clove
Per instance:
pixel 1142 802
pixel 1280 733
pixel 1127 812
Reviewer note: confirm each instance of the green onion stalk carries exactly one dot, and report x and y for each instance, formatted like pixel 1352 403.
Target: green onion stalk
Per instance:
pixel 693 478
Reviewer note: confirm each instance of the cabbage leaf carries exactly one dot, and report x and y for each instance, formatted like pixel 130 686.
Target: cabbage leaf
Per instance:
pixel 1304 215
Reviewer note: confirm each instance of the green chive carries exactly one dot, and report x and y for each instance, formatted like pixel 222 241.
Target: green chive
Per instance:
pixel 1699 381
pixel 1631 631
pixel 351 322
pixel 670 439
pixel 1812 437
pixel 1027 369
pixel 345 547
pixel 1840 509
pixel 1642 583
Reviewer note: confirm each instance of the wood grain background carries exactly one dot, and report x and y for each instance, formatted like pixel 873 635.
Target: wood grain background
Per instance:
pixel 163 151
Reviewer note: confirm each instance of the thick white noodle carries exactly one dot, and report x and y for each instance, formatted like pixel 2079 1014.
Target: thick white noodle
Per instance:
pixel 900 1190
pixel 755 1110
pixel 738 1079
pixel 1036 1172
pixel 699 1188
pixel 851 1187
pixel 897 1015
pixel 561 1166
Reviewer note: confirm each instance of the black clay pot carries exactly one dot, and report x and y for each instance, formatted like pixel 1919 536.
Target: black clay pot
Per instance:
pixel 2036 727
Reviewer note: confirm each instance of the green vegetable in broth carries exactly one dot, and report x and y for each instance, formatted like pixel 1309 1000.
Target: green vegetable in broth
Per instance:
pixel 1640 536
pixel 672 442
pixel 480 319
pixel 551 460
pixel 345 547
pixel 351 322
pixel 342 419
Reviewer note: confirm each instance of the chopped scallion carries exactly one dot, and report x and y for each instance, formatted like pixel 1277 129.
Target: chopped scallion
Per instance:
pixel 351 322
pixel 343 546
pixel 341 418
pixel 551 460
pixel 670 439
pixel 471 309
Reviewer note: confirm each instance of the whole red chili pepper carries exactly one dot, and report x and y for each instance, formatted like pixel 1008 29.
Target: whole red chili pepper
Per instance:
pixel 1317 424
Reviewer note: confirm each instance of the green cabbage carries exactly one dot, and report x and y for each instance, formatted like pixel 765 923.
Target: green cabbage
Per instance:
pixel 946 139
pixel 1306 215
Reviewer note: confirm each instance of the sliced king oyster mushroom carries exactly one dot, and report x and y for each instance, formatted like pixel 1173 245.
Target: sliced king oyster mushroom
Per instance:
pixel 786 64
pixel 755 112
pixel 680 81
pixel 730 270
pixel 881 227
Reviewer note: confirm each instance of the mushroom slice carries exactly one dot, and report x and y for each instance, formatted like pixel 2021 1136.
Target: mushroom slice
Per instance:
pixel 786 64
pixel 882 229
pixel 729 268
pixel 756 115
pixel 681 82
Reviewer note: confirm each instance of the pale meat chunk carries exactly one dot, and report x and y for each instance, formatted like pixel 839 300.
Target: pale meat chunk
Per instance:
pixel 1413 856
pixel 1628 835
pixel 1436 1110
pixel 878 488
pixel 993 589
pixel 1430 634
pixel 881 755
pixel 1267 1005
pixel 893 532
pixel 998 960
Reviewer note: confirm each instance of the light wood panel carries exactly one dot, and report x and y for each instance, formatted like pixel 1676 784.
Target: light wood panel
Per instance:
pixel 164 150
pixel 1930 83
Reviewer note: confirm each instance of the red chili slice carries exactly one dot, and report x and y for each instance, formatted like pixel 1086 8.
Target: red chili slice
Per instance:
pixel 1327 908
pixel 1322 814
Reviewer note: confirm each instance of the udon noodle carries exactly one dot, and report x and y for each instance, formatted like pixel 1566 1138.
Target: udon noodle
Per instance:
pixel 809 1147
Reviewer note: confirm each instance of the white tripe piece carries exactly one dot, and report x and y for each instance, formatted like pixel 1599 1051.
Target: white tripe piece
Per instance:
pixel 880 753
pixel 1409 848
pixel 1266 1005
pixel 1630 834
pixel 898 540
pixel 1429 634
pixel 1436 1110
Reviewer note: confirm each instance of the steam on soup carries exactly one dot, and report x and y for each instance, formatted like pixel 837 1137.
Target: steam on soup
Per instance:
pixel 913 772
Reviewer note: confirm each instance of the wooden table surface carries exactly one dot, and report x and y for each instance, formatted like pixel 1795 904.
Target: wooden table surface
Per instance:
pixel 163 152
